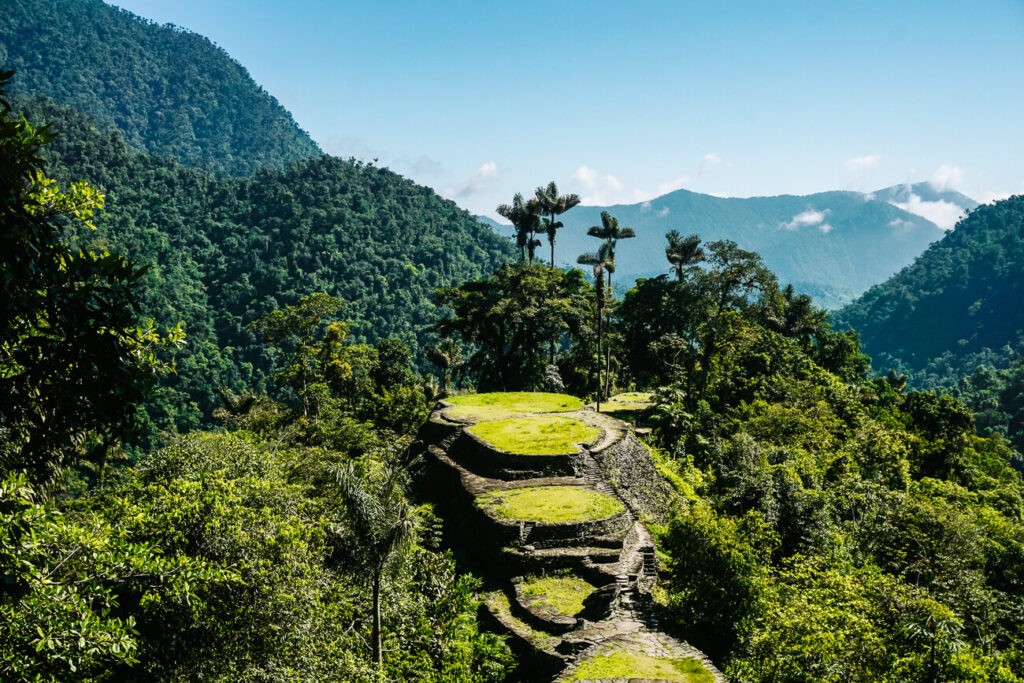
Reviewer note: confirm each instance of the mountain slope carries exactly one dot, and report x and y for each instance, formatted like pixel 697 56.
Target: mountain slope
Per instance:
pixel 169 91
pixel 832 245
pixel 225 251
pixel 957 306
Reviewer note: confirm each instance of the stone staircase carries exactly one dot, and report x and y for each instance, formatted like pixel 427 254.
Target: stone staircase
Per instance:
pixel 616 555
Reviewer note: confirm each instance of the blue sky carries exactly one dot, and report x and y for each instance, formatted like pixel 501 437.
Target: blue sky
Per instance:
pixel 625 101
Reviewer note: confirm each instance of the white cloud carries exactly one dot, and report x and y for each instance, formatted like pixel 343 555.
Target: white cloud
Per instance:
pixel 942 213
pixel 585 176
pixel 597 189
pixel 603 189
pixel 480 180
pixel 808 218
pixel 900 224
pixel 947 177
pixel 860 164
pixel 997 195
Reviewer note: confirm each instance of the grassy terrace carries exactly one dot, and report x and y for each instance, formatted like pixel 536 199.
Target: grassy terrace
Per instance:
pixel 622 664
pixel 494 406
pixel 550 504
pixel 536 435
pixel 559 594
pixel 499 602
pixel 630 402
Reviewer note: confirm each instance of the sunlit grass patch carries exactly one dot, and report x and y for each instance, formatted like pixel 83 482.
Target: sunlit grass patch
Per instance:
pixel 496 405
pixel 550 504
pixel 537 434
pixel 559 594
pixel 628 402
pixel 624 664
pixel 499 602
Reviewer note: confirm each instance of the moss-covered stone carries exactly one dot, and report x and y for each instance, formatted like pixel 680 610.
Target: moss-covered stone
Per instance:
pixel 536 435
pixel 624 664
pixel 550 504
pixel 497 405
pixel 562 595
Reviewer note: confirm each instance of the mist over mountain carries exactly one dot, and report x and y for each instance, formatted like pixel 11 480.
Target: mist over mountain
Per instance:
pixel 942 206
pixel 169 91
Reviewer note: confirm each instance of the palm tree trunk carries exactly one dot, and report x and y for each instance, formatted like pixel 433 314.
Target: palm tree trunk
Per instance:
pixel 378 654
pixel 600 314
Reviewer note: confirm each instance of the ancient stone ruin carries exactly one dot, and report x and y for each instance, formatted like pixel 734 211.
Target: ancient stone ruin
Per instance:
pixel 556 529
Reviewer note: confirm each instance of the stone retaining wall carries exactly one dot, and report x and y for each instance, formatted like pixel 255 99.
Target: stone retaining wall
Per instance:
pixel 480 457
pixel 629 468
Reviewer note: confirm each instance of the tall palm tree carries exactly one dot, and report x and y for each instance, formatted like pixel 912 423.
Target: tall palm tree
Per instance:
pixel 553 204
pixel 611 232
pixel 683 252
pixel 383 524
pixel 525 217
pixel 602 262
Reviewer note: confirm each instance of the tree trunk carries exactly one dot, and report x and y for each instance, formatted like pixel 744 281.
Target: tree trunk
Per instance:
pixel 378 654
pixel 600 312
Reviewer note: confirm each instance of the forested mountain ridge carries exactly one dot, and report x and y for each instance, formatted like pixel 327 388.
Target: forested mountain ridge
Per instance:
pixel 831 245
pixel 224 251
pixel 171 92
pixel 957 307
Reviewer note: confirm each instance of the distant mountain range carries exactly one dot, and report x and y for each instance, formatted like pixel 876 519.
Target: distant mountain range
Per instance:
pixel 831 245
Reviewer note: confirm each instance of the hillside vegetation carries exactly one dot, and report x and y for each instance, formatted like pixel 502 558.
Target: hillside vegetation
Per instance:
pixel 169 91
pixel 225 251
pixel 957 308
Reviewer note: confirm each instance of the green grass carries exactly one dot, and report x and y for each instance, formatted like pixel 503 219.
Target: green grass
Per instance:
pixel 499 602
pixel 623 664
pixel 550 504
pixel 630 402
pixel 559 594
pixel 494 406
pixel 536 435
pixel 634 397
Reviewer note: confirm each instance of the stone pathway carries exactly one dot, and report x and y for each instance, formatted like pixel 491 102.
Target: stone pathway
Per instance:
pixel 618 560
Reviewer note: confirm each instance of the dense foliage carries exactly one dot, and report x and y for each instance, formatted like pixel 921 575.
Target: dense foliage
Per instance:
pixel 225 251
pixel 250 555
pixel 169 91
pixel 831 526
pixel 836 527
pixel 957 308
pixel 996 397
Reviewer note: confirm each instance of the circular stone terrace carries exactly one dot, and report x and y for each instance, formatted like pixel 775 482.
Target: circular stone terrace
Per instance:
pixel 542 409
pixel 535 467
pixel 550 504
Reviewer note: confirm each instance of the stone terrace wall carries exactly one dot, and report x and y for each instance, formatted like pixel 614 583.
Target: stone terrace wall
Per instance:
pixel 629 468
